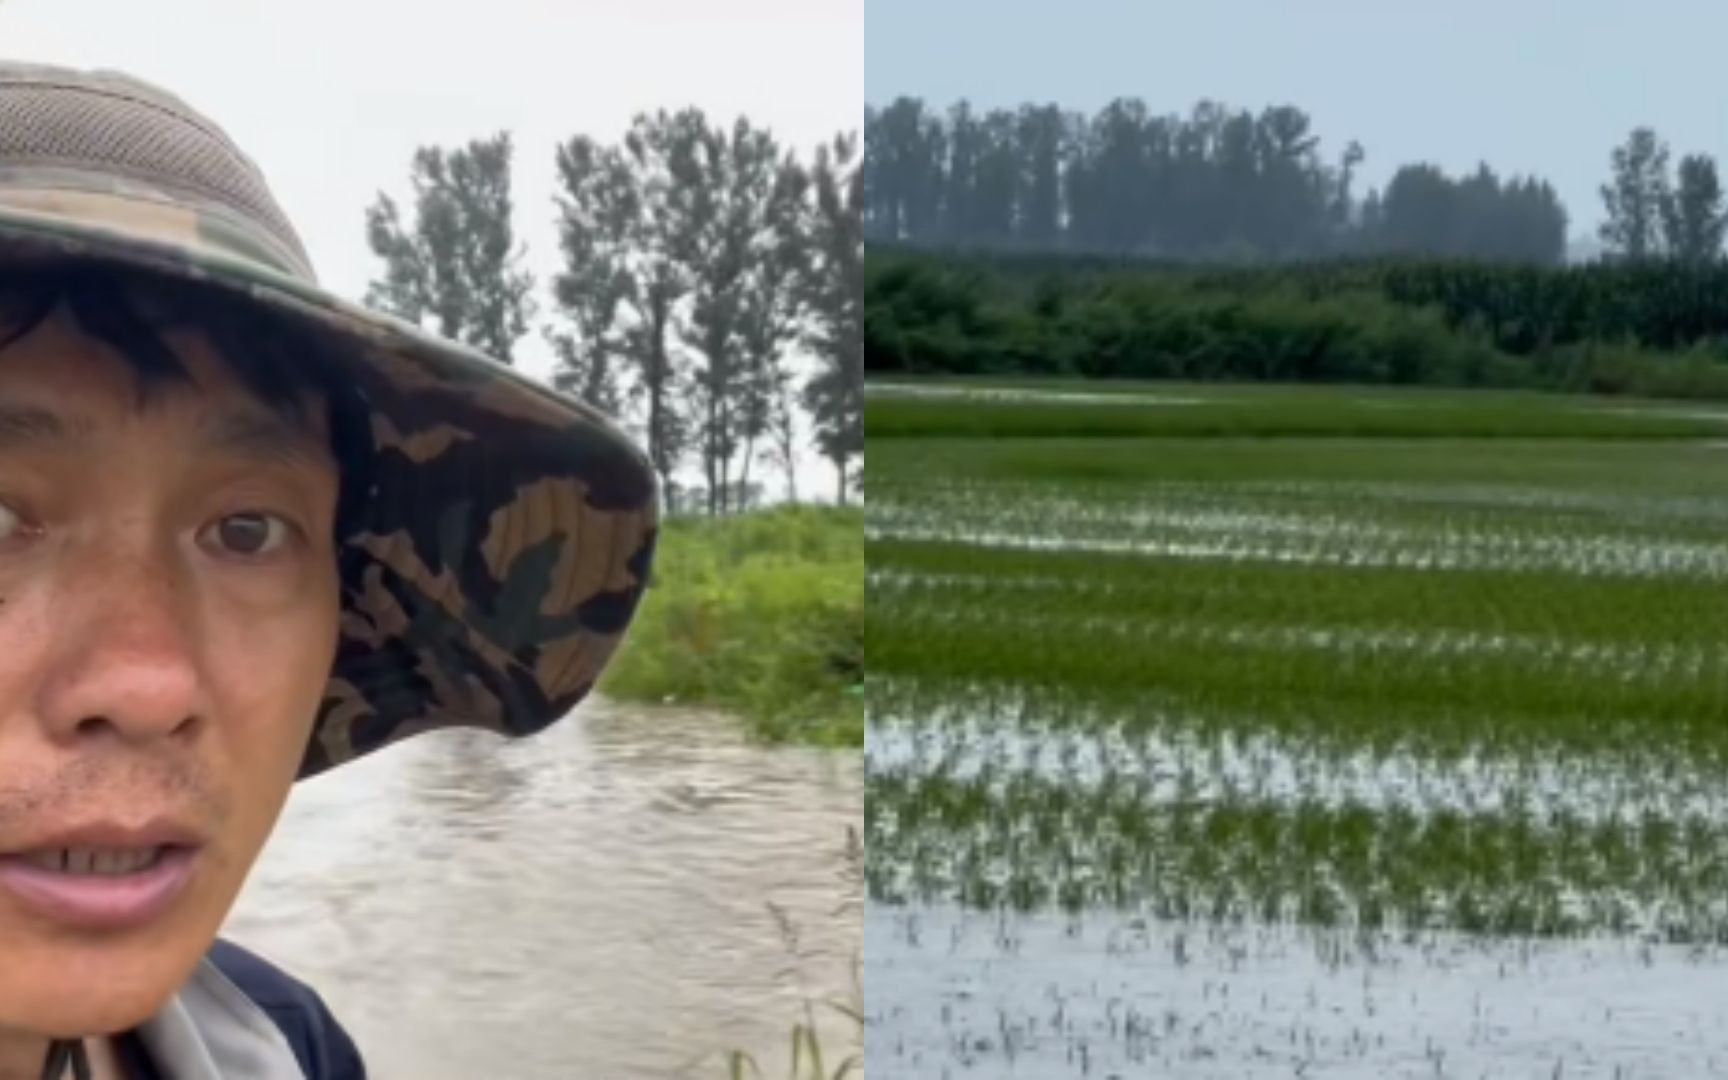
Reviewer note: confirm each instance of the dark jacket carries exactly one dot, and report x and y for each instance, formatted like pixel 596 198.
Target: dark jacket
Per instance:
pixel 324 1050
pixel 239 1016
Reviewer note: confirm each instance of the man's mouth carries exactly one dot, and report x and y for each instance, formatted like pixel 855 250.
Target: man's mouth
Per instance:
pixel 102 877
pixel 97 889
pixel 103 862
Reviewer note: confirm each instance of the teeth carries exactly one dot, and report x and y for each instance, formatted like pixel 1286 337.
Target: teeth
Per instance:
pixel 93 861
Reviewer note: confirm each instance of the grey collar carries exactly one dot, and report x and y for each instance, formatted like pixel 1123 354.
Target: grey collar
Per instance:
pixel 210 1030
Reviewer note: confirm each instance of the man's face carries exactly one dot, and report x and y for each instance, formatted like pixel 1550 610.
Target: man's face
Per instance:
pixel 168 619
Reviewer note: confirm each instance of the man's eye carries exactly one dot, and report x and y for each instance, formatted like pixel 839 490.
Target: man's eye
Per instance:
pixel 14 525
pixel 250 534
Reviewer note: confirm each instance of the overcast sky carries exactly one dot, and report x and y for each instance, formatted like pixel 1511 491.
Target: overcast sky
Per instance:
pixel 331 97
pixel 1530 86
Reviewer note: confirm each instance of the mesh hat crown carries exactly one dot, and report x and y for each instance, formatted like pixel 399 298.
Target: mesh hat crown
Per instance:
pixel 508 532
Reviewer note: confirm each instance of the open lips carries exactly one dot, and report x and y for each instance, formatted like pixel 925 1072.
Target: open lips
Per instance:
pixel 103 876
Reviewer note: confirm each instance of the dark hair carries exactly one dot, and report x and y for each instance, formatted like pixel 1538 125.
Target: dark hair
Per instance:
pixel 276 359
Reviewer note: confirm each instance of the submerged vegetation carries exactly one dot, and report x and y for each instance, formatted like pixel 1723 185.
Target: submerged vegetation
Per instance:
pixel 1228 659
pixel 810 1057
pixel 759 613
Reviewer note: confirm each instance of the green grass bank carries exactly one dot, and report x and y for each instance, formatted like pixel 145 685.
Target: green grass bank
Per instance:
pixel 761 614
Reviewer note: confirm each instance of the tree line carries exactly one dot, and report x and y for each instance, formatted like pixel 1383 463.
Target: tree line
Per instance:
pixel 1643 327
pixel 1217 184
pixel 697 257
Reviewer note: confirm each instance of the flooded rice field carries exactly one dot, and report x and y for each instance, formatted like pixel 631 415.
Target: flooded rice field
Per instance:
pixel 598 900
pixel 939 392
pixel 966 994
pixel 1309 754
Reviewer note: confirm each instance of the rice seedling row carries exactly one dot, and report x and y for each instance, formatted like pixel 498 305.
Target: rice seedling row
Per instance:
pixel 1262 663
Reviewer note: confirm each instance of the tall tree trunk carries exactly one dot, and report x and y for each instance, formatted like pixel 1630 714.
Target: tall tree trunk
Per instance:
pixel 791 463
pixel 658 316
pixel 708 455
pixel 727 503
pixel 785 438
pixel 744 473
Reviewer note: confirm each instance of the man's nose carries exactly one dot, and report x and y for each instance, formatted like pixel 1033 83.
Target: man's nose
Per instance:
pixel 123 656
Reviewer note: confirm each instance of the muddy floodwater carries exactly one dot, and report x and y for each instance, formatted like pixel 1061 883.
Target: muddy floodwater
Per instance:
pixel 595 901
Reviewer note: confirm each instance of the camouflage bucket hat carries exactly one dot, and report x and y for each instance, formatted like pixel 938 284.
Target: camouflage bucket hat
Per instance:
pixel 507 532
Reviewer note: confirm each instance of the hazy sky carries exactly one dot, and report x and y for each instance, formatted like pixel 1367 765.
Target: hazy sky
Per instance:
pixel 1543 86
pixel 331 97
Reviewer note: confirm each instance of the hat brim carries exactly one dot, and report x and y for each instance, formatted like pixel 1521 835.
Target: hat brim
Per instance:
pixel 509 533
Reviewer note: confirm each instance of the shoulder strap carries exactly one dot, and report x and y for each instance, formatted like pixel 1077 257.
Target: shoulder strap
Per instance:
pixel 323 1049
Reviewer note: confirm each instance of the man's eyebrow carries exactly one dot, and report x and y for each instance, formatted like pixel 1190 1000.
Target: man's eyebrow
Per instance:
pixel 237 433
pixel 27 425
pixel 266 438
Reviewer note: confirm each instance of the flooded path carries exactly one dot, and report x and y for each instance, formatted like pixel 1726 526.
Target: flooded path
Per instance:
pixel 594 901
